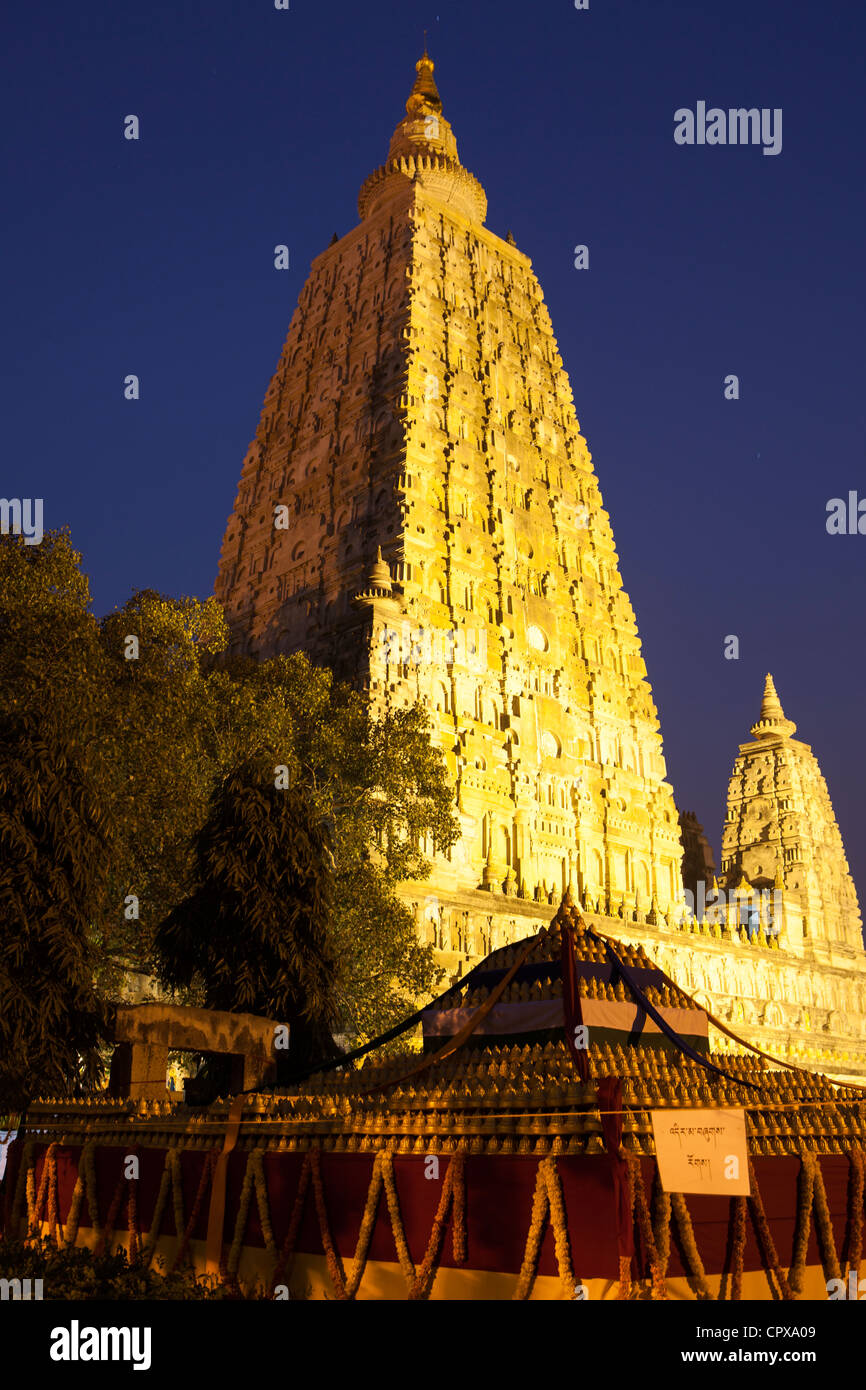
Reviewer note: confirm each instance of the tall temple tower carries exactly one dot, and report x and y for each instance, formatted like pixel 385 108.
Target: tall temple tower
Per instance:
pixel 419 511
pixel 780 827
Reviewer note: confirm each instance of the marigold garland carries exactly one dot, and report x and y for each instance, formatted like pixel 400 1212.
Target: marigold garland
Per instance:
pixel 35 1204
pixel 73 1216
pixel 51 1165
pixel 854 1235
pixel 113 1209
pixel 134 1253
pixel 547 1199
pixel 812 1199
pixel 294 1223
pixel 403 1256
pixel 739 1248
pixel 653 1218
pixel 762 1229
pixel 824 1225
pixel 25 1189
pixel 176 1191
pixel 234 1255
pixel 205 1177
pixel 803 1223
pixel 540 1202
pixel 85 1185
pixel 458 1224
pixel 661 1217
pixel 149 1244
pixel 368 1221
pixel 332 1258
pixel 695 1272
pixel 261 1187
pixel 454 1194
pixel 640 1209
pixel 88 1160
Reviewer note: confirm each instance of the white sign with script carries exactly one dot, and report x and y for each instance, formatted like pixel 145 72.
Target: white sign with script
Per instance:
pixel 702 1151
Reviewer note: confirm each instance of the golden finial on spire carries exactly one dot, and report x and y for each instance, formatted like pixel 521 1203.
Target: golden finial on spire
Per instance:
pixel 423 150
pixel 424 97
pixel 771 721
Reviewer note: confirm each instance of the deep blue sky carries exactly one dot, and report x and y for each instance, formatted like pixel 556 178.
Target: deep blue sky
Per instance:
pixel 258 126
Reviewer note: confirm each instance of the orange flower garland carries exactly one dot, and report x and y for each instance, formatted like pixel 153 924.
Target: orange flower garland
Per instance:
pixel 368 1221
pixel 149 1244
pixel 759 1217
pixel 294 1223
pixel 547 1199
pixel 35 1204
pixel 206 1176
pixel 453 1194
pixel 661 1217
pixel 403 1256
pixel 332 1258
pixel 695 1271
pixel 653 1219
pixel 824 1225
pixel 805 1194
pixel 739 1250
pixel 640 1208
pixel 854 1244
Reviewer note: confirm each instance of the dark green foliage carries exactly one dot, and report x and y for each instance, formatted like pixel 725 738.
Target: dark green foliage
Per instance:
pixel 382 788
pixel 74 1273
pixel 53 839
pixel 159 734
pixel 253 933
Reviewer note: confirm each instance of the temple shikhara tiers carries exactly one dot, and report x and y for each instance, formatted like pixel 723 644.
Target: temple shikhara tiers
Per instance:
pixel 419 511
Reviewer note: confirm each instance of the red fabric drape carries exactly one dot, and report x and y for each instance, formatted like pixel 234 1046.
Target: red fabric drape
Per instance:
pixel 610 1099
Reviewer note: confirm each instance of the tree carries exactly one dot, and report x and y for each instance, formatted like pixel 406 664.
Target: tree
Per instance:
pixel 253 935
pixel 51 660
pixel 382 788
pixel 164 749
pixel 160 723
pixel 53 842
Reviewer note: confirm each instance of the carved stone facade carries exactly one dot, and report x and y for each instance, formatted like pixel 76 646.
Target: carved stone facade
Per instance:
pixel 698 862
pixel 419 511
pixel 420 405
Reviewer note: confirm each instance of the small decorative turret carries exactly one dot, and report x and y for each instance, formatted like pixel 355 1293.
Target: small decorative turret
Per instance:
pixel 378 584
pixel 380 574
pixel 488 877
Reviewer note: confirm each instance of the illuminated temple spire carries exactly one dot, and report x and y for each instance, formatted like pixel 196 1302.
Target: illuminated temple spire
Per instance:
pixel 447 543
pixel 443 540
pixel 781 828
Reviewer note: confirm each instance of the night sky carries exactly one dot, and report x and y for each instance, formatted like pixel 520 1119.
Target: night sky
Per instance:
pixel 258 126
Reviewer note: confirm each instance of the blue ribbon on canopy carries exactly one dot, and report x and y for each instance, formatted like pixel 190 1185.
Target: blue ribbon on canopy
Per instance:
pixel 640 998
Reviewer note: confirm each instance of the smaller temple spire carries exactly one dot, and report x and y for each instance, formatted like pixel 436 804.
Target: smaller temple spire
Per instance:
pixel 771 721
